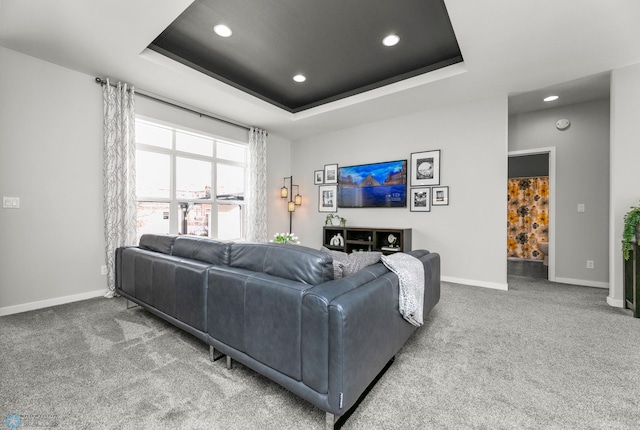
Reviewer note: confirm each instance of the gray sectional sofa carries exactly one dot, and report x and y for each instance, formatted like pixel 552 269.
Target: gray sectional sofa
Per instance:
pixel 277 309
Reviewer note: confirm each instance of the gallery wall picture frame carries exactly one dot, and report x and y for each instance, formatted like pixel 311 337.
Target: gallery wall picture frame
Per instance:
pixel 425 168
pixel 420 199
pixel 330 173
pixel 328 198
pixel 318 177
pixel 440 196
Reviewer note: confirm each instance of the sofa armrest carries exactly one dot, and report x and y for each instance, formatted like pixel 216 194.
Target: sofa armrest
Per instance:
pixel 118 266
pixel 349 340
pixel 431 281
pixel 351 332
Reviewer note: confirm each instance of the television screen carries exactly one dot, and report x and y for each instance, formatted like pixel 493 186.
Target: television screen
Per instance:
pixel 373 185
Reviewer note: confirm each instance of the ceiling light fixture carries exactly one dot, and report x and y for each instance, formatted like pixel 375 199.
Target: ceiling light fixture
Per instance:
pixel 551 98
pixel 299 78
pixel 222 30
pixel 391 40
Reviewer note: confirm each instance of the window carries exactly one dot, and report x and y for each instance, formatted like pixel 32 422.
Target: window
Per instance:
pixel 189 183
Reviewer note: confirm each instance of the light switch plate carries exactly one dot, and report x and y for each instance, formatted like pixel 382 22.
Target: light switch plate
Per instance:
pixel 11 202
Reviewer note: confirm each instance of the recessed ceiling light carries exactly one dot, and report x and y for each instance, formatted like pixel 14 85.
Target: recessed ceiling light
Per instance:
pixel 551 98
pixel 299 78
pixel 391 40
pixel 222 30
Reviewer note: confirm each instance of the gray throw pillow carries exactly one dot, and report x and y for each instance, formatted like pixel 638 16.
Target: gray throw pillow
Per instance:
pixel 339 260
pixel 345 264
pixel 360 260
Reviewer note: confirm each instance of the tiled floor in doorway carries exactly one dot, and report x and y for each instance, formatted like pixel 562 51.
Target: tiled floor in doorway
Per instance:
pixel 531 269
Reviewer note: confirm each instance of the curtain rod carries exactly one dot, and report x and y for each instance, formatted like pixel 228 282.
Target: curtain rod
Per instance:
pixel 179 105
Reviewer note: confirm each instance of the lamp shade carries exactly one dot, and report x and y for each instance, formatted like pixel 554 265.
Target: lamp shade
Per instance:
pixel 291 207
pixel 284 192
pixel 298 200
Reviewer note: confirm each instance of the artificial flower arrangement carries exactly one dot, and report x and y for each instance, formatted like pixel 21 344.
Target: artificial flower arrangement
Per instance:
pixel 284 238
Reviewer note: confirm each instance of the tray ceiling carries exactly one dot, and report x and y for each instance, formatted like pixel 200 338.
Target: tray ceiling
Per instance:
pixel 335 44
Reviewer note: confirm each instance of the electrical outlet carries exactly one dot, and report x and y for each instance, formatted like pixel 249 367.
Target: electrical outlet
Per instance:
pixel 103 270
pixel 590 264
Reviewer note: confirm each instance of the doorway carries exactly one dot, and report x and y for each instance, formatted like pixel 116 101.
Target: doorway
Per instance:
pixel 534 168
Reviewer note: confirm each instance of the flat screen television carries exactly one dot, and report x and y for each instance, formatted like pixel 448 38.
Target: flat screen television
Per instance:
pixel 373 185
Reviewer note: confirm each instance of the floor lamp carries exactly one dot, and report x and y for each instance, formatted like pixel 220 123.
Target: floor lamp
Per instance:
pixel 287 192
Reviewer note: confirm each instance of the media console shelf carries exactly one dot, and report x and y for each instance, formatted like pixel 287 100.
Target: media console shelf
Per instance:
pixel 353 239
pixel 632 280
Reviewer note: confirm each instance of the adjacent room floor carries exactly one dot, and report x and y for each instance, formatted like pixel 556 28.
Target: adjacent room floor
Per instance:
pixel 527 268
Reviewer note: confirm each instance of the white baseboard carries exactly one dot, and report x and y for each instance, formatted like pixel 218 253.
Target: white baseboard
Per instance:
pixel 10 310
pixel 616 303
pixel 484 284
pixel 582 282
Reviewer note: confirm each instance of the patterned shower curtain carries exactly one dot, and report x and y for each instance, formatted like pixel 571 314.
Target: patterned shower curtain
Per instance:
pixel 528 217
pixel 119 173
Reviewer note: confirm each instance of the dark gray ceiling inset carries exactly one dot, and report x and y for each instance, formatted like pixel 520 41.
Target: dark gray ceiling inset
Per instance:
pixel 336 44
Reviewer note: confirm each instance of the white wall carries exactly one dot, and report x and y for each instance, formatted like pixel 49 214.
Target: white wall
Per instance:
pixel 625 173
pixel 470 233
pixel 582 176
pixel 51 157
pixel 278 166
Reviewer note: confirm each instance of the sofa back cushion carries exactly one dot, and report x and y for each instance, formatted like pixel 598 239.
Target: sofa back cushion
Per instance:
pixel 202 249
pixel 293 262
pixel 157 242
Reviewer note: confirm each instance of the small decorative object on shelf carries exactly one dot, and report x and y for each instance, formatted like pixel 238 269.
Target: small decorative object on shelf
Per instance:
pixel 335 219
pixel 393 246
pixel 285 238
pixel 337 240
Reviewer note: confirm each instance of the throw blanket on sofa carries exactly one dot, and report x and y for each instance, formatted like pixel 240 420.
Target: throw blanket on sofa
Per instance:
pixel 411 279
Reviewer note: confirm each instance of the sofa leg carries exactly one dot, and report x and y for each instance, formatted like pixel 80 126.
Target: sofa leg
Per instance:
pixel 131 305
pixel 329 421
pixel 229 362
pixel 214 355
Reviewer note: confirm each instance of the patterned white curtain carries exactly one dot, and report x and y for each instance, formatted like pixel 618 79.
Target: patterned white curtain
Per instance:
pixel 256 205
pixel 119 173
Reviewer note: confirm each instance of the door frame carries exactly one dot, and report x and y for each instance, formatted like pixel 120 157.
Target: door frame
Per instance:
pixel 551 258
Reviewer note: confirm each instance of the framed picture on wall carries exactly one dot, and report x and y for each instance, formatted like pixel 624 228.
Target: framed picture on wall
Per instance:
pixel 330 173
pixel 425 168
pixel 440 196
pixel 318 177
pixel 328 198
pixel 420 200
